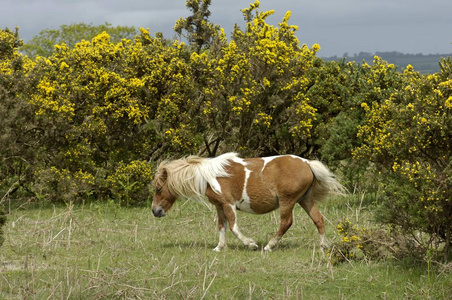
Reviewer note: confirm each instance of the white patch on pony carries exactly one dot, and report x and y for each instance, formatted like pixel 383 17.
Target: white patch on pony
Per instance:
pixel 267 160
pixel 324 242
pixel 245 202
pixel 270 158
pixel 222 240
pixel 250 243
pixel 239 161
pixel 302 159
pixel 215 167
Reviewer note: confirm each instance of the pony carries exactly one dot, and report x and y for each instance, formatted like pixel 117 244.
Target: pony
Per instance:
pixel 252 185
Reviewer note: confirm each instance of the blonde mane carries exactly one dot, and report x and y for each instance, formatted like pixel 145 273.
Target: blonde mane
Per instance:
pixel 190 176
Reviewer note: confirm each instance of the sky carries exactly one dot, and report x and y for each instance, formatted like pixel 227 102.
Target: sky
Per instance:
pixel 338 26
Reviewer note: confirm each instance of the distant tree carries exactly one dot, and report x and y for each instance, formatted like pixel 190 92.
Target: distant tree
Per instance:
pixel 199 30
pixel 43 43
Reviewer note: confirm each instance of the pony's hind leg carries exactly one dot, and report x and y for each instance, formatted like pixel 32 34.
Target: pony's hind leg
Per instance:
pixel 231 217
pixel 315 215
pixel 286 212
pixel 222 225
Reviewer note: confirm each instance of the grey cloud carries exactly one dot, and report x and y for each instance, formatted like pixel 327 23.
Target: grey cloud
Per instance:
pixel 339 26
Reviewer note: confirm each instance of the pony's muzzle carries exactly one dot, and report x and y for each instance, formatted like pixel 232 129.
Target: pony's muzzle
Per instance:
pixel 158 212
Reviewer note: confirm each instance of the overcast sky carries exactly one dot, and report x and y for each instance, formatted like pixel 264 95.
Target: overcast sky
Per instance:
pixel 339 26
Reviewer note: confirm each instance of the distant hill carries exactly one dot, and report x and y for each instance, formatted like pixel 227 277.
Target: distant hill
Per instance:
pixel 420 62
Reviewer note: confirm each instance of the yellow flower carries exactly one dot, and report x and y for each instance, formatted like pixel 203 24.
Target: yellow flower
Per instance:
pixel 315 48
pixel 449 103
pixel 355 238
pixel 365 106
pixel 63 66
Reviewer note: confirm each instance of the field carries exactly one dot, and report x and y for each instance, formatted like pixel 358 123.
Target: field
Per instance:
pixel 96 251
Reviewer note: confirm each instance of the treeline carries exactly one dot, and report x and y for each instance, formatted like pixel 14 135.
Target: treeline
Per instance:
pixel 90 122
pixel 423 63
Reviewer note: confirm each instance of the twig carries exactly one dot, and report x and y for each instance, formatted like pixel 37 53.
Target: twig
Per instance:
pixel 11 188
pixel 135 287
pixel 208 287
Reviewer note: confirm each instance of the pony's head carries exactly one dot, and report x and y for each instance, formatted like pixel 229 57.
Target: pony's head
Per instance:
pixel 187 177
pixel 163 198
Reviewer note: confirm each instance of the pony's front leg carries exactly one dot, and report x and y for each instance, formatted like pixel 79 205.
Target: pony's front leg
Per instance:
pixel 231 217
pixel 222 225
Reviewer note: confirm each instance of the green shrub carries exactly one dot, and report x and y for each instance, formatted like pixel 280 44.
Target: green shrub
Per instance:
pixel 130 183
pixel 61 185
pixel 360 243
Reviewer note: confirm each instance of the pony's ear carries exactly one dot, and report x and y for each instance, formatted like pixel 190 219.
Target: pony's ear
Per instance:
pixel 164 174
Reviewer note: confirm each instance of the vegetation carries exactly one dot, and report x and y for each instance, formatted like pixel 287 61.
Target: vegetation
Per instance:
pixel 104 251
pixel 2 223
pixel 426 64
pixel 87 121
pixel 200 32
pixel 43 44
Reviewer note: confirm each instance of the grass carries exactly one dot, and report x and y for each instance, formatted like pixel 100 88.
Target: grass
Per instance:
pixel 104 251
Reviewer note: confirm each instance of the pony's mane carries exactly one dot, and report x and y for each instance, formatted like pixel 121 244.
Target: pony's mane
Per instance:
pixel 190 176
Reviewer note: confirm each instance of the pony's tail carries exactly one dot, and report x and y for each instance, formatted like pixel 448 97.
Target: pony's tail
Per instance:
pixel 325 183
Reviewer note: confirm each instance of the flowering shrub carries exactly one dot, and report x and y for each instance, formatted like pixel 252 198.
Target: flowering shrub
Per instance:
pixel 96 105
pixel 357 243
pixel 130 183
pixel 61 185
pixel 342 93
pixel 251 90
pixel 17 128
pixel 101 103
pixel 408 138
pixel 350 245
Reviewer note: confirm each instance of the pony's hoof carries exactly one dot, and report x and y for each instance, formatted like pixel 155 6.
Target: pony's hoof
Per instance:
pixel 325 246
pixel 217 249
pixel 267 249
pixel 253 246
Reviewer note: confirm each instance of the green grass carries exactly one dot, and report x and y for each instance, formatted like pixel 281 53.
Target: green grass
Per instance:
pixel 104 251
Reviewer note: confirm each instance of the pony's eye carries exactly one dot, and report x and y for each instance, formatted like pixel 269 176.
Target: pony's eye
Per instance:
pixel 159 190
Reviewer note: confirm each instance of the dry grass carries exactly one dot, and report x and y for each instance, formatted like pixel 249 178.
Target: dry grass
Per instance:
pixel 104 251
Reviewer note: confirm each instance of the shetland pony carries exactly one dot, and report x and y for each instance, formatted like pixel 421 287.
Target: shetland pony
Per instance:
pixel 252 185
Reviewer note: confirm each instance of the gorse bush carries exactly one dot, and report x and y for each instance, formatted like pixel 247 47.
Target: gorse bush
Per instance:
pixel 357 243
pixel 99 107
pixel 61 185
pixel 19 146
pixel 130 182
pixel 251 90
pixel 408 137
pixel 350 245
pixel 98 104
